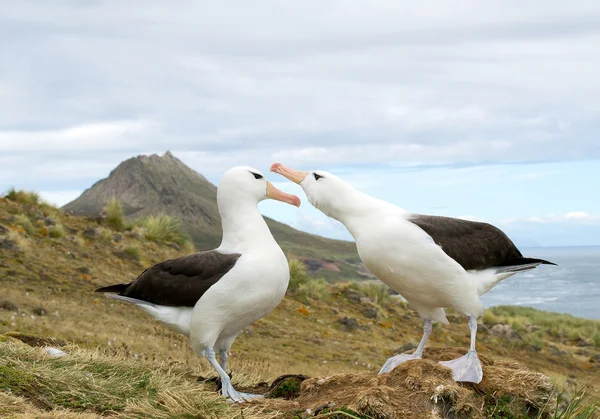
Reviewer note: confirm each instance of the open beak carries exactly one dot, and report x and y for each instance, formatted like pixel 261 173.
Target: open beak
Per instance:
pixel 293 175
pixel 274 193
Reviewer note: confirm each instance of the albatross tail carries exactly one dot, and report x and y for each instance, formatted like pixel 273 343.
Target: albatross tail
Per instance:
pixel 489 278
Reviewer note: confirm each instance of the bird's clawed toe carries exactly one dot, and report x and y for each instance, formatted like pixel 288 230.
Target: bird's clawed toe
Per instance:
pixel 394 361
pixel 466 368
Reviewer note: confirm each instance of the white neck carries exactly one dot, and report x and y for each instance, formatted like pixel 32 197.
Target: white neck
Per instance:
pixel 244 228
pixel 354 207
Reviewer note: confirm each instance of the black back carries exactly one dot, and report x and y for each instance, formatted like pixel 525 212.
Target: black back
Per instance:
pixel 178 282
pixel 472 244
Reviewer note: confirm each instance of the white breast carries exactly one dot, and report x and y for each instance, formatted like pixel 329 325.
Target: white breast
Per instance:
pixel 251 290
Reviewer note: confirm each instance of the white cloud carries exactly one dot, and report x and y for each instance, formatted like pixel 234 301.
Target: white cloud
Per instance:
pixel 569 217
pixel 59 198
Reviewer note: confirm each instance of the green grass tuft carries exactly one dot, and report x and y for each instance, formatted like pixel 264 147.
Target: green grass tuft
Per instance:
pixel 114 215
pixel 298 275
pixel 24 221
pixel 377 292
pixel 314 288
pixel 23 197
pixel 164 229
pixel 56 231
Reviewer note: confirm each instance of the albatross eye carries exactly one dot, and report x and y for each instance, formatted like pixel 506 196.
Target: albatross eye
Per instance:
pixel 256 175
pixel 317 176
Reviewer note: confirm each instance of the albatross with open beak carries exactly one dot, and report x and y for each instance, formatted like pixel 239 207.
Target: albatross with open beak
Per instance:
pixel 433 262
pixel 211 296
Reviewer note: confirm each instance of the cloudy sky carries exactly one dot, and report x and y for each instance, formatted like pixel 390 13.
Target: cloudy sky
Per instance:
pixel 489 111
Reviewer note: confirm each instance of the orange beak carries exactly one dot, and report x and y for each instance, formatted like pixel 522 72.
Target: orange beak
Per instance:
pixel 293 175
pixel 274 193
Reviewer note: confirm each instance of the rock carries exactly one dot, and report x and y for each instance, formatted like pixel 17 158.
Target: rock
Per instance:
pixel 595 358
pixel 352 295
pixel 483 329
pixel 3 230
pixel 505 331
pixel 365 300
pixel 371 313
pixel 117 237
pixel 55 353
pixel 49 221
pixel 406 348
pixel 334 310
pixel 7 244
pixel 350 323
pixel 91 233
pixel 84 270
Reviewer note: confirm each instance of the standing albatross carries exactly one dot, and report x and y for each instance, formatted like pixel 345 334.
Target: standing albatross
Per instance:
pixel 211 296
pixel 433 262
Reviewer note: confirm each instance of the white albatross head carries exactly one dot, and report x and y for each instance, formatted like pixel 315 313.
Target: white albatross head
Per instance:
pixel 324 190
pixel 242 185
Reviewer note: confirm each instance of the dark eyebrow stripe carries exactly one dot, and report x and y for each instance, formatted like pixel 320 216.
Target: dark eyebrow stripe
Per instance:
pixel 256 175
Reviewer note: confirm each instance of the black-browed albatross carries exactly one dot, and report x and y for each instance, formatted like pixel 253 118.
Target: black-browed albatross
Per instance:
pixel 211 296
pixel 433 262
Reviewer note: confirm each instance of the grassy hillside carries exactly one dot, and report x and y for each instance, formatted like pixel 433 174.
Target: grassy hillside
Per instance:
pixel 122 364
pixel 151 185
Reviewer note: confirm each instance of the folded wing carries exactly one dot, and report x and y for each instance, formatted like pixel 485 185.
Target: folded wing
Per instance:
pixel 178 282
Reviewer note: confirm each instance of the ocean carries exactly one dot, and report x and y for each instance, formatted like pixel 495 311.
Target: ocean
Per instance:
pixel 571 287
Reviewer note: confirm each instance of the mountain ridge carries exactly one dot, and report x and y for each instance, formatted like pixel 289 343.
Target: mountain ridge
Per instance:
pixel 149 185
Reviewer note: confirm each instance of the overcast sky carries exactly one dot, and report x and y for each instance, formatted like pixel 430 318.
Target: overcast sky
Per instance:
pixel 485 110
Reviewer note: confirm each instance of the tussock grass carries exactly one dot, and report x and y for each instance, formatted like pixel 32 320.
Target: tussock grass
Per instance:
pixel 188 247
pixel 313 288
pixel 23 197
pixel 114 385
pixel 114 214
pixel 24 221
pixel 105 235
pixel 557 325
pixel 377 292
pixel 22 244
pixel 56 231
pixel 131 252
pixel 164 229
pixel 298 275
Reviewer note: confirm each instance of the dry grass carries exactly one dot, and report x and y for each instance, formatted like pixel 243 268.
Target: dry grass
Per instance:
pixel 298 274
pixel 24 221
pixel 23 197
pixel 114 214
pixel 164 229
pixel 22 243
pixel 299 339
pixel 56 231
pixel 96 381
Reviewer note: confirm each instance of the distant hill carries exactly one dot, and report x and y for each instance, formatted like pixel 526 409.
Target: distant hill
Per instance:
pixel 149 185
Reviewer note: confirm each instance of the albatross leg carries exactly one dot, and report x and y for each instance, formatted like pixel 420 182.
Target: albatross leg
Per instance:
pixel 467 368
pixel 394 361
pixel 227 388
pixel 223 359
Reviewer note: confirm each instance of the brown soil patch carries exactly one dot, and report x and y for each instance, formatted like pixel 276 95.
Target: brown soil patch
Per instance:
pixel 422 389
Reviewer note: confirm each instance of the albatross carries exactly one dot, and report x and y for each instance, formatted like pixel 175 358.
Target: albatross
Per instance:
pixel 212 295
pixel 434 262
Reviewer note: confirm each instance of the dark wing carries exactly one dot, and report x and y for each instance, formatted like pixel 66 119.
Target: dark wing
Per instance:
pixel 473 245
pixel 178 282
